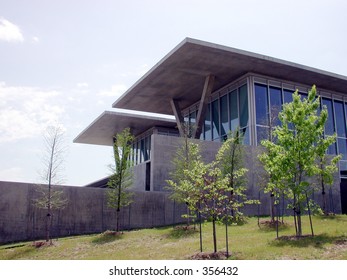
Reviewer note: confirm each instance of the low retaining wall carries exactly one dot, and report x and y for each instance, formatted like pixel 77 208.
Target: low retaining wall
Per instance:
pixel 86 212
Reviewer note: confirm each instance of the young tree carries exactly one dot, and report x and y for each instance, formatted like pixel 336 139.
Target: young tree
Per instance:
pixel 293 159
pixel 53 160
pixel 182 183
pixel 327 166
pixel 118 195
pixel 230 161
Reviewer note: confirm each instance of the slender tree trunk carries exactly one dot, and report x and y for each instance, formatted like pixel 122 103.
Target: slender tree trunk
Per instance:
pixel 226 237
pixel 272 207
pixel 214 234
pixel 309 214
pixel 200 224
pixel 48 216
pixel 299 233
pixel 277 220
pixel 294 212
pixel 324 199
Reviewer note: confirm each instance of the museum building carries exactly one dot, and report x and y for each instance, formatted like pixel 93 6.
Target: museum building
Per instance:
pixel 218 89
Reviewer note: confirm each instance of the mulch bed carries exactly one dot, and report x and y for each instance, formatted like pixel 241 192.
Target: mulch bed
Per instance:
pixel 210 256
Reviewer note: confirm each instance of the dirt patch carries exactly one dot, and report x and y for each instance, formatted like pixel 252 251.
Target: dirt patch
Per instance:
pixel 293 237
pixel 39 244
pixel 112 233
pixel 185 228
pixel 210 256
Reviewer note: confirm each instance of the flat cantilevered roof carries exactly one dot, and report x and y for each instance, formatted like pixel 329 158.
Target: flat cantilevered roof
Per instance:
pixel 181 75
pixel 102 130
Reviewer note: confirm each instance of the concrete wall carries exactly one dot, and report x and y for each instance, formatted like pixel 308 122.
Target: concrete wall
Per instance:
pixel 164 149
pixel 86 212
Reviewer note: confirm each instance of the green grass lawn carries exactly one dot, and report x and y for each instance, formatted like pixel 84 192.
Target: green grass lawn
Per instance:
pixel 246 242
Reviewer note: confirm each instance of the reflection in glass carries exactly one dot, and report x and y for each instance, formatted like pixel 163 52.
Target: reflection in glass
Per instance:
pixel 276 105
pixel 340 119
pixel 234 113
pixel 342 144
pixel 329 125
pixel 207 126
pixel 224 115
pixel 262 134
pixel 287 96
pixel 215 120
pixel 261 104
pixel 243 105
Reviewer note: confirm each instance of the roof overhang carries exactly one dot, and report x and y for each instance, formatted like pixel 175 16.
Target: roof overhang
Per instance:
pixel 181 74
pixel 102 130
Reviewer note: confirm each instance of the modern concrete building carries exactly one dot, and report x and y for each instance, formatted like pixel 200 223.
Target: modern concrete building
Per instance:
pixel 218 89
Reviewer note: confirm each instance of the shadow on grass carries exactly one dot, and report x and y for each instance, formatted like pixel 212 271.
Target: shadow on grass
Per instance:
pixel 106 237
pixel 317 241
pixel 182 232
pixel 331 217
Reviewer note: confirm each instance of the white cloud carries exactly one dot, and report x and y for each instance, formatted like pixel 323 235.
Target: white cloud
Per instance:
pixel 115 91
pixel 35 40
pixel 10 32
pixel 26 111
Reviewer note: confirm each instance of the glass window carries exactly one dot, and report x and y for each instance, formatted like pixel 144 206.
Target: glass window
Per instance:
pixel 342 143
pixel 287 96
pixel 149 146
pixel 192 118
pixel 340 119
pixel 343 169
pixel 233 109
pixel 332 149
pixel 137 153
pixel 261 104
pixel 243 105
pixel 245 135
pixel 207 126
pixel 215 120
pixel 276 105
pixel 262 134
pixel 329 125
pixel 142 150
pixel 224 115
pixel 303 95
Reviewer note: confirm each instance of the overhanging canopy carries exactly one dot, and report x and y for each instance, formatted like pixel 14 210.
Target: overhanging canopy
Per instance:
pixel 102 130
pixel 181 74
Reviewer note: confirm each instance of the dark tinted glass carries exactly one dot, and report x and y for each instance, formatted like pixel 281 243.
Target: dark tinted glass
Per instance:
pixel 340 119
pixel 243 105
pixel 329 125
pixel 233 108
pixel 261 104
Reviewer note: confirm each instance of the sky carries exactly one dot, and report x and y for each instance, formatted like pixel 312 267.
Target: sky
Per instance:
pixel 65 62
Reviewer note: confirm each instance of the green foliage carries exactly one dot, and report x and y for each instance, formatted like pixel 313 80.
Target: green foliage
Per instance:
pixel 294 158
pixel 54 199
pixel 216 190
pixel 118 195
pixel 230 162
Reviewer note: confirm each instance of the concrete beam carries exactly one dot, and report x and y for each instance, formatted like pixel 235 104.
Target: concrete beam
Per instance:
pixel 178 115
pixel 206 93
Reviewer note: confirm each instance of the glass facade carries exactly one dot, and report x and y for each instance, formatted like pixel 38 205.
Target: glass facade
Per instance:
pixel 268 102
pixel 226 113
pixel 141 150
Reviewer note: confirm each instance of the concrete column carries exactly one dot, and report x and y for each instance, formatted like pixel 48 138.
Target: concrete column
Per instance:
pixel 178 115
pixel 206 93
